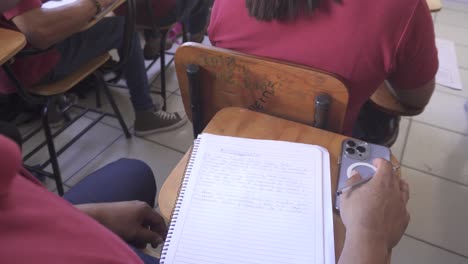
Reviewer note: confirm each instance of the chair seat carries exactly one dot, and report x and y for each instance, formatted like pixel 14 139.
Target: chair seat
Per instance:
pixel 71 80
pixel 12 43
pixel 385 101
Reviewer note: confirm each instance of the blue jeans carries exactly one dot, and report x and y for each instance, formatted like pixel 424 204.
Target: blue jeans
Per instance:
pixel 122 180
pixel 106 35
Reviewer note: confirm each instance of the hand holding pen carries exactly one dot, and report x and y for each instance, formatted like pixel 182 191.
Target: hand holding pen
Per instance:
pixel 376 207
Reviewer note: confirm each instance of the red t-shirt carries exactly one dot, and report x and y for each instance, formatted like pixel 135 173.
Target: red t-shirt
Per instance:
pixel 364 42
pixel 31 69
pixel 36 226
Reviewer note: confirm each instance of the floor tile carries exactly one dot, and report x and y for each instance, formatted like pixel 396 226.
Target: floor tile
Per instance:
pixel 437 151
pixel 452 17
pixel 175 104
pixel 154 71
pixel 86 149
pixel 162 160
pixel 460 93
pixel 446 111
pixel 438 211
pixel 456 34
pixel 398 147
pixel 180 139
pixel 458 5
pixel 462 55
pixel 43 154
pixel 412 251
pixel 172 84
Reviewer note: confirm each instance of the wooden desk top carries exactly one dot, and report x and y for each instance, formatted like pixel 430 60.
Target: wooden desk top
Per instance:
pixel 245 123
pixel 104 13
pixel 11 43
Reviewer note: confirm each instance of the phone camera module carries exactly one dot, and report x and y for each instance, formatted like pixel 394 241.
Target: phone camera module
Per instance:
pixel 350 151
pixel 361 149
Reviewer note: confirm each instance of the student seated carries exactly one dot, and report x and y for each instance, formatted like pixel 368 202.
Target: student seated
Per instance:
pixel 107 216
pixel 193 13
pixel 60 30
pixel 365 43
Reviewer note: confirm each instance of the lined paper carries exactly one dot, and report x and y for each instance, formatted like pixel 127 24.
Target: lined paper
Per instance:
pixel 254 201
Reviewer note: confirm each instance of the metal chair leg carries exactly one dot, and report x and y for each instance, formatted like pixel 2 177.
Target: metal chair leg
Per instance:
pixel 184 32
pixel 195 98
pixel 110 98
pixel 162 54
pixel 98 96
pixel 51 147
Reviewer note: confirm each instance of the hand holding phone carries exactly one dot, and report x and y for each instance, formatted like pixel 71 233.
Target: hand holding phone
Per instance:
pixel 357 155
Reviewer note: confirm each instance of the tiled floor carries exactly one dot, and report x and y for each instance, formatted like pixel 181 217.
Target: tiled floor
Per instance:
pixel 432 147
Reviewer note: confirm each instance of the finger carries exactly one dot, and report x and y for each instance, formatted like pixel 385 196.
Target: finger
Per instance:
pixel 155 221
pixel 404 187
pixel 146 236
pixel 384 172
pixel 355 178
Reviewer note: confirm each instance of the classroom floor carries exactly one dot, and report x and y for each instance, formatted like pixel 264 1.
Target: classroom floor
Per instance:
pixel 432 147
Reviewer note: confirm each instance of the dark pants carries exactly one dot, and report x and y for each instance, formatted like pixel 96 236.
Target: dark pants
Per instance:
pixel 122 180
pixel 106 35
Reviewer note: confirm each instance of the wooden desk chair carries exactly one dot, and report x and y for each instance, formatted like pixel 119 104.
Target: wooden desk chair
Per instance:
pixel 43 95
pixel 164 30
pixel 228 78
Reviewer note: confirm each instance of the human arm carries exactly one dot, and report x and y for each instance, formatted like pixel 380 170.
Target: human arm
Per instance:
pixel 46 27
pixel 374 215
pixel 134 221
pixel 416 62
pixel 416 98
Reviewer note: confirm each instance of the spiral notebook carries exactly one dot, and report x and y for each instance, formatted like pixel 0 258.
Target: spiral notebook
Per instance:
pixel 252 201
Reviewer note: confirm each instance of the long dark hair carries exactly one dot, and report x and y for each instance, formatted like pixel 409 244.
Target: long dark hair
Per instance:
pixel 281 10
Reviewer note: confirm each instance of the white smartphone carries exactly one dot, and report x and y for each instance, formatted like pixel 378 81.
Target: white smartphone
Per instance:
pixel 358 155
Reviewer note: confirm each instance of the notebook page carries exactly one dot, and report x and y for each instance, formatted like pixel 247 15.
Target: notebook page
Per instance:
pixel 251 201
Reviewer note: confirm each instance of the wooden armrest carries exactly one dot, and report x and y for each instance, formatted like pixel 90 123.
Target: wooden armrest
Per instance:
pixel 385 101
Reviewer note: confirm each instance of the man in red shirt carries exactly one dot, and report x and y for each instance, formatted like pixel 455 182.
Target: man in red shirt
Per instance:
pixel 60 28
pixel 365 43
pixel 112 206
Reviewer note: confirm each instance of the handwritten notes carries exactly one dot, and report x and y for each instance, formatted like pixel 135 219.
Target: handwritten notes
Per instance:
pixel 253 201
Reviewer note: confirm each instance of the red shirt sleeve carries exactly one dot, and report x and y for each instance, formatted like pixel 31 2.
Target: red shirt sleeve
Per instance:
pixel 416 60
pixel 22 7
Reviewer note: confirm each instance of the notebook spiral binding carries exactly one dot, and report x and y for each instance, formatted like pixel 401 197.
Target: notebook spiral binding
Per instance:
pixel 180 197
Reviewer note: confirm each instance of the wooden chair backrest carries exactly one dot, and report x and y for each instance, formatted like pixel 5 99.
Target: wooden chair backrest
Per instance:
pixel 285 90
